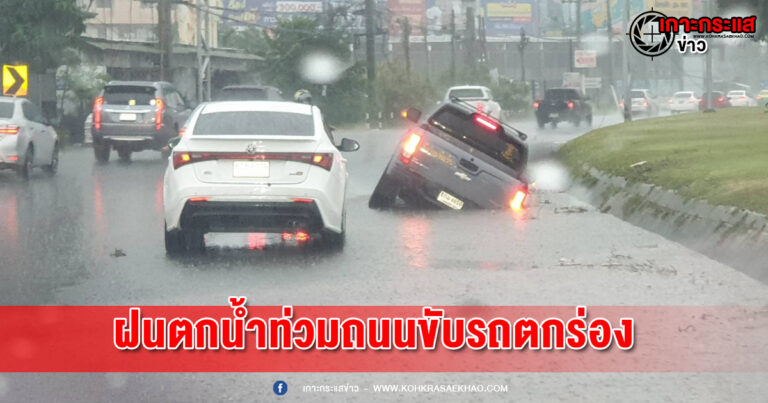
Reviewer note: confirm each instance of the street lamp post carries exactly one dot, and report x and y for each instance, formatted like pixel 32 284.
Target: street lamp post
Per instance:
pixel 521 46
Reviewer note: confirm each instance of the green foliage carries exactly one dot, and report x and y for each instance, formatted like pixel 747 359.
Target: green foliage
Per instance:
pixel 344 100
pixel 250 40
pixel 395 90
pixel 37 32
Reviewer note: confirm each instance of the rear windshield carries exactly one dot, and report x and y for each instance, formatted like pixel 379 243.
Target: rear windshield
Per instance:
pixel 129 95
pixel 737 93
pixel 562 93
pixel 683 95
pixel 497 145
pixel 254 123
pixel 6 110
pixel 637 94
pixel 467 93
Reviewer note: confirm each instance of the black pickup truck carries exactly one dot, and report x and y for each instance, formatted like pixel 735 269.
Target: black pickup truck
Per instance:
pixel 562 105
pixel 457 158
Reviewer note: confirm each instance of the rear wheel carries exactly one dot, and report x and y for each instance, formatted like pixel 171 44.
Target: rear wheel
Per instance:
pixel 125 155
pixel 589 120
pixel 195 240
pixel 335 240
pixel 174 242
pixel 386 191
pixel 553 125
pixel 25 169
pixel 101 152
pixel 51 168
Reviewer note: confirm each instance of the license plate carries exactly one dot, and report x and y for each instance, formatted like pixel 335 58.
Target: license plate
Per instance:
pixel 554 115
pixel 450 200
pixel 250 169
pixel 128 117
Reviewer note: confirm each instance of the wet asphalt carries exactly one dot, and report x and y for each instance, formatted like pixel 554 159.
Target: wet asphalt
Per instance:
pixel 92 235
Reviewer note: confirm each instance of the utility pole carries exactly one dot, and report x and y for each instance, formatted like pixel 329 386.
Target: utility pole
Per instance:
pixel 470 39
pixel 483 42
pixel 578 22
pixel 625 67
pixel 708 68
pixel 521 46
pixel 199 51
pixel 453 45
pixel 164 35
pixel 208 69
pixel 427 60
pixel 609 26
pixel 370 57
pixel 405 28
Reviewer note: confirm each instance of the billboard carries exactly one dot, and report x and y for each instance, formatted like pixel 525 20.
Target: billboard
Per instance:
pixel 414 10
pixel 266 13
pixel 438 16
pixel 507 18
pixel 594 17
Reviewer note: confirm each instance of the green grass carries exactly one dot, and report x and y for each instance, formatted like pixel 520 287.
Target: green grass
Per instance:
pixel 721 157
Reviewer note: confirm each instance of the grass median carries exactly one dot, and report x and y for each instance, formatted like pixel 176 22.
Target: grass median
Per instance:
pixel 720 157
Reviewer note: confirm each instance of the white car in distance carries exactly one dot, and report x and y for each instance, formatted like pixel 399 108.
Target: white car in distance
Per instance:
pixel 255 166
pixel 683 101
pixel 740 98
pixel 478 96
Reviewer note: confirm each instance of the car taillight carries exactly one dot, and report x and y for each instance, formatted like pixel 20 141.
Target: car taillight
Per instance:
pixel 409 148
pixel 9 129
pixel 516 203
pixel 742 97
pixel 721 99
pixel 486 122
pixel 159 109
pixel 570 104
pixel 536 105
pixel 199 199
pixel 182 131
pixel 670 102
pixel 645 102
pixel 323 160
pixel 97 104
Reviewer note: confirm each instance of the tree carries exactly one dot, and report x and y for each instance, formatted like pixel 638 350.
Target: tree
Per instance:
pixel 37 32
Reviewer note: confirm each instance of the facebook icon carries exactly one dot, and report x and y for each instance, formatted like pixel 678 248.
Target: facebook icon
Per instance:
pixel 280 388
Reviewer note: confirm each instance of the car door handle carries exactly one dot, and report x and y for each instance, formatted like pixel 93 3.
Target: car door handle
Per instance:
pixel 468 165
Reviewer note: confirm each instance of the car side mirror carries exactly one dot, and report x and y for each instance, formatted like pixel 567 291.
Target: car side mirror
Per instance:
pixel 411 114
pixel 348 145
pixel 174 142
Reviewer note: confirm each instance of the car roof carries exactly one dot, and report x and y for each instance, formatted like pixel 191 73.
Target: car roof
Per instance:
pixel 248 87
pixel 467 87
pixel 140 83
pixel 260 106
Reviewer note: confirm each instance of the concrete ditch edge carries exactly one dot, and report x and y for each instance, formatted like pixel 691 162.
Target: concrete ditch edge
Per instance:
pixel 734 236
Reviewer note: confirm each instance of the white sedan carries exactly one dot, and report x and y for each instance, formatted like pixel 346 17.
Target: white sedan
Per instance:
pixel 255 166
pixel 740 98
pixel 478 96
pixel 683 101
pixel 26 141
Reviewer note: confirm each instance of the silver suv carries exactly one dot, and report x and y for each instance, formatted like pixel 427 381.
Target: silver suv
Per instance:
pixel 136 115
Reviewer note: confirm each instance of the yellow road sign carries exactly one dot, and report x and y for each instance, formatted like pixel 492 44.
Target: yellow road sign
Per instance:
pixel 15 80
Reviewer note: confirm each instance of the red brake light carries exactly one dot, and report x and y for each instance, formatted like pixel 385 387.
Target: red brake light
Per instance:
pixel 721 99
pixel 536 105
pixel 9 129
pixel 486 122
pixel 645 102
pixel 302 200
pixel 182 131
pixel 302 236
pixel 159 109
pixel 410 147
pixel 516 204
pixel 570 104
pixel 13 158
pixel 97 104
pixel 198 199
